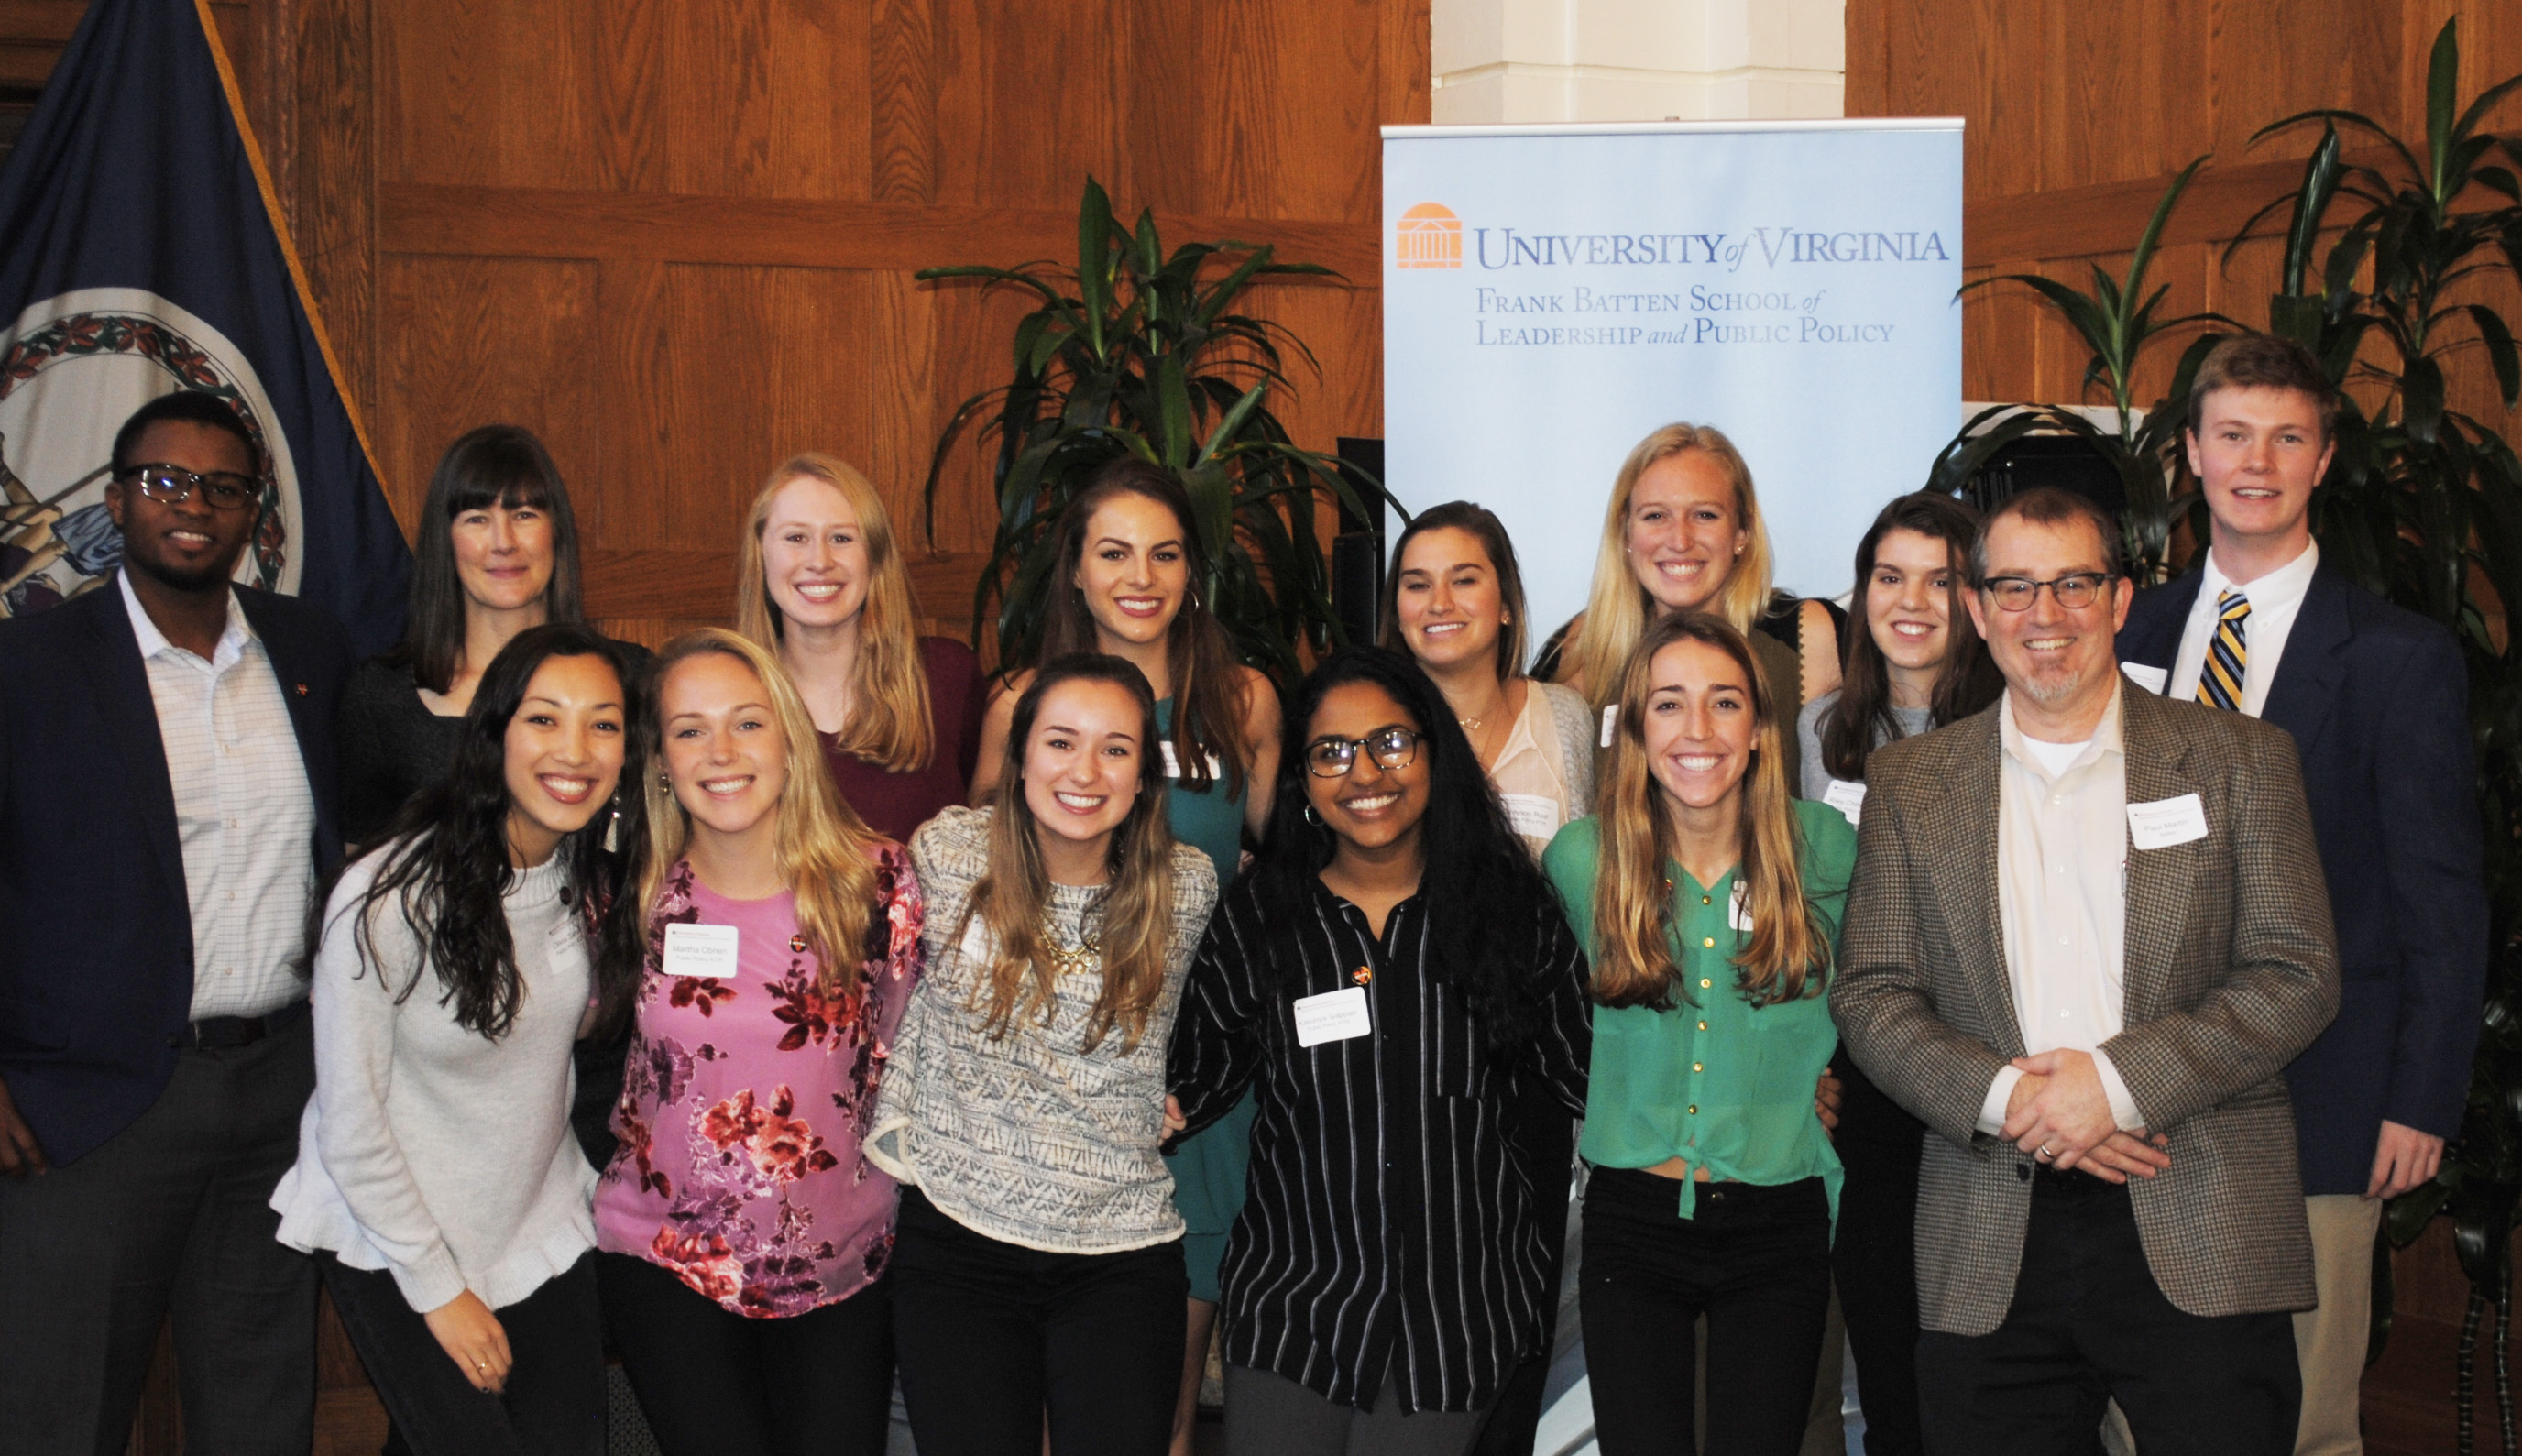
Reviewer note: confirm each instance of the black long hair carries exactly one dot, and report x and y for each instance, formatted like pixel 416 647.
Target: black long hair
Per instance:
pixel 1967 681
pixel 502 466
pixel 1477 877
pixel 446 857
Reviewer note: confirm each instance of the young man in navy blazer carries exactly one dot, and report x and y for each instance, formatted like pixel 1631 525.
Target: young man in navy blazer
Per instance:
pixel 2377 701
pixel 165 811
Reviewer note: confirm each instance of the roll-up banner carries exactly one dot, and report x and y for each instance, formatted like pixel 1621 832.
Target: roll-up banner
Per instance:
pixel 1554 294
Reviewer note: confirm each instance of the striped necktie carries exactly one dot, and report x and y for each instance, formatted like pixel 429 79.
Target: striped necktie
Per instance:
pixel 2220 677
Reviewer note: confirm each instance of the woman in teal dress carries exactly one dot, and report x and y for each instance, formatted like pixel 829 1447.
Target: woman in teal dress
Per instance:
pixel 1710 901
pixel 1132 564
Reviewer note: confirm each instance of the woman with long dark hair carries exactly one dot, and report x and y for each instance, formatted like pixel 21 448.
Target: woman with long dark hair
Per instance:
pixel 1038 1260
pixel 1914 665
pixel 1390 974
pixel 1710 899
pixel 456 963
pixel 1130 569
pixel 744 1237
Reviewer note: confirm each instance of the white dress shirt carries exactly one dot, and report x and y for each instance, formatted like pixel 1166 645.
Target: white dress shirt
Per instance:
pixel 2275 598
pixel 2062 892
pixel 243 811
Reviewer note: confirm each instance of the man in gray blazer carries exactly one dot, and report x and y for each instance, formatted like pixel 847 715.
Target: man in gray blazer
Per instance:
pixel 2087 932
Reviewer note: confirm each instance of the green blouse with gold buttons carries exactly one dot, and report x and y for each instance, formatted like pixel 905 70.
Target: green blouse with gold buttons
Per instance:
pixel 1714 1080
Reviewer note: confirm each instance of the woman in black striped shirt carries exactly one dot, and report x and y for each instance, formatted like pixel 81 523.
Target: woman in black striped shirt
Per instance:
pixel 1390 974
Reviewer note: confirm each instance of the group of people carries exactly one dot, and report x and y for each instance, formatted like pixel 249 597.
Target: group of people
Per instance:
pixel 795 1012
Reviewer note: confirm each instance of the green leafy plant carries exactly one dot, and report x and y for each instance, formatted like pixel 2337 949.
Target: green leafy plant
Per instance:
pixel 1142 353
pixel 2116 321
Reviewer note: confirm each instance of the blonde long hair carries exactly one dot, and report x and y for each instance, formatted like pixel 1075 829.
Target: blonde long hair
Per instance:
pixel 1135 910
pixel 822 849
pixel 1634 962
pixel 889 715
pixel 1618 609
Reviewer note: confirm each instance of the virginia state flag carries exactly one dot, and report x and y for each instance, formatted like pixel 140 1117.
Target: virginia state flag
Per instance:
pixel 141 253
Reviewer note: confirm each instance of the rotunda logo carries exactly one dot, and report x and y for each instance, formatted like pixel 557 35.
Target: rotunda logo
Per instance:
pixel 1428 236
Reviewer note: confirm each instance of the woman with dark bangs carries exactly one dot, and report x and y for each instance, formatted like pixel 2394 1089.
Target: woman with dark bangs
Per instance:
pixel 1387 982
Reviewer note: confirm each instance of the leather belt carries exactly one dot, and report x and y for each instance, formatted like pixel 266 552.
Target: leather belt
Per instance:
pixel 227 1033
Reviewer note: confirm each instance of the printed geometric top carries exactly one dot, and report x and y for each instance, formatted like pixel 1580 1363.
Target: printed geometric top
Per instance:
pixel 744 1100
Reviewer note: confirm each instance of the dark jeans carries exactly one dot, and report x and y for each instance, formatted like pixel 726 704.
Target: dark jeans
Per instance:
pixel 1876 1258
pixel 1544 1137
pixel 990 1334
pixel 1755 1260
pixel 2088 1325
pixel 173 1213
pixel 1269 1415
pixel 554 1401
pixel 715 1384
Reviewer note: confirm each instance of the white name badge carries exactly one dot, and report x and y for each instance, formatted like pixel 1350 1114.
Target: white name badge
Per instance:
pixel 1847 795
pixel 1173 762
pixel 1532 815
pixel 2167 821
pixel 1610 722
pixel 2151 680
pixel 700 950
pixel 1738 914
pixel 1332 1016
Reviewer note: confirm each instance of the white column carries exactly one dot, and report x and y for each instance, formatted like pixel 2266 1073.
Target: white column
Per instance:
pixel 1636 59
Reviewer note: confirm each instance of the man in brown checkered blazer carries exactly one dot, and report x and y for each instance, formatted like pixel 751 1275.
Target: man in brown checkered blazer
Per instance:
pixel 2087 932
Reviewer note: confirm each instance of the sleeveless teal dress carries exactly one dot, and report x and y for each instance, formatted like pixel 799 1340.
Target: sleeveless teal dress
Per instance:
pixel 1208 1170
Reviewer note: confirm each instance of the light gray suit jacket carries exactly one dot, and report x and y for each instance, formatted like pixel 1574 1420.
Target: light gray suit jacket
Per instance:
pixel 2231 969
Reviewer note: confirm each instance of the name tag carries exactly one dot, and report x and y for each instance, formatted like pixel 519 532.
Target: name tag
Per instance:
pixel 1738 914
pixel 1332 1016
pixel 700 950
pixel 1532 815
pixel 1847 795
pixel 1173 762
pixel 2166 823
pixel 2151 680
pixel 1610 722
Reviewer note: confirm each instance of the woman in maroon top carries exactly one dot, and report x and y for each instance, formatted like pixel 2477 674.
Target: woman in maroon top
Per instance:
pixel 820 582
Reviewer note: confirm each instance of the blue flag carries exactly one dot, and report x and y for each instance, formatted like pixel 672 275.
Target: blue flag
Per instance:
pixel 140 253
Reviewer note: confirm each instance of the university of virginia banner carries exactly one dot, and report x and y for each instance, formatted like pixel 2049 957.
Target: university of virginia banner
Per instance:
pixel 140 253
pixel 1551 294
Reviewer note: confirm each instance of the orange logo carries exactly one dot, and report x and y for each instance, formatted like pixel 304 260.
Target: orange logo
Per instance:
pixel 1429 236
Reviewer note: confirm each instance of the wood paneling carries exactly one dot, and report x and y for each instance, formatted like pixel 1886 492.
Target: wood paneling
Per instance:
pixel 2079 116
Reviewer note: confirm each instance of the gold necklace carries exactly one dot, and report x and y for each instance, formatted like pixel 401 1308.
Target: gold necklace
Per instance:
pixel 1085 957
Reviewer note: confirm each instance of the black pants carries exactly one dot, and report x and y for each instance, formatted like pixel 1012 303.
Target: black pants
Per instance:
pixel 1544 1138
pixel 1755 1260
pixel 715 1384
pixel 554 1401
pixel 173 1213
pixel 1876 1258
pixel 2088 1325
pixel 990 1334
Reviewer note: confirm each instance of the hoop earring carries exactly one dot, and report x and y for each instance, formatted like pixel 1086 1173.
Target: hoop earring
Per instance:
pixel 1311 818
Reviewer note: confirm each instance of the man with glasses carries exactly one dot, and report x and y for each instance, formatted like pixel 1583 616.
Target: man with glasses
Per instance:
pixel 165 809
pixel 2086 935
pixel 2377 702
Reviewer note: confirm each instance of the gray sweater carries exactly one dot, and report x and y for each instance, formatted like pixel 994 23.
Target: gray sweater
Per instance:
pixel 1816 778
pixel 431 1151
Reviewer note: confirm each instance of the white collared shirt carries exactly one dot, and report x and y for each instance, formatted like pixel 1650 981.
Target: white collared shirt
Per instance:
pixel 2062 896
pixel 243 813
pixel 2275 598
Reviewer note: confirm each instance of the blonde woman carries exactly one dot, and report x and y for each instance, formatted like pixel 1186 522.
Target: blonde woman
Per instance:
pixel 1709 900
pixel 745 1238
pixel 1039 1264
pixel 1683 533
pixel 820 582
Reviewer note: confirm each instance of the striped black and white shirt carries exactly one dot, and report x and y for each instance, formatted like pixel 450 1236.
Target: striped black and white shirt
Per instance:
pixel 1389 1226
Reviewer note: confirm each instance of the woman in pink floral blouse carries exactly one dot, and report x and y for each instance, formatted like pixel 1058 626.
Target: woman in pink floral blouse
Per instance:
pixel 745 1238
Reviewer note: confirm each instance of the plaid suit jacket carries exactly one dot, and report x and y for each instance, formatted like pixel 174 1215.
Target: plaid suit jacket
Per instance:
pixel 2231 969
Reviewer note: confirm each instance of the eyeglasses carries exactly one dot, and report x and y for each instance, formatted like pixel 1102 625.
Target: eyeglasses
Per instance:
pixel 1332 757
pixel 169 485
pixel 2072 591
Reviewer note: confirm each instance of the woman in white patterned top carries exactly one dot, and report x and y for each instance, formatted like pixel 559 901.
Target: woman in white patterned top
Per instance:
pixel 1037 1257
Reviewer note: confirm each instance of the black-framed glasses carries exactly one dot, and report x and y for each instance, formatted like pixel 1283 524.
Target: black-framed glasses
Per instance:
pixel 171 484
pixel 2072 591
pixel 1332 757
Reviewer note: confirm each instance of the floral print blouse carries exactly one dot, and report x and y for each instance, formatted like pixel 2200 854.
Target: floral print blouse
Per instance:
pixel 744 1099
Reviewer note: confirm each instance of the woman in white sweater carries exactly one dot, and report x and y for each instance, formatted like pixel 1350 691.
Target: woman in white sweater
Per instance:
pixel 437 1181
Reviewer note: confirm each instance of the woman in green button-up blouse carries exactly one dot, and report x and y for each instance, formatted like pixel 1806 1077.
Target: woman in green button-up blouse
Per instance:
pixel 1709 901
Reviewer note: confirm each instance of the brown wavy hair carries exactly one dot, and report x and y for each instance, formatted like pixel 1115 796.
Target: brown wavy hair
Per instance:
pixel 1482 524
pixel 1135 911
pixel 1633 962
pixel 1967 680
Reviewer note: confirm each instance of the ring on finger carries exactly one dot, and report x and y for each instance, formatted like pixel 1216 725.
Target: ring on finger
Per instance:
pixel 2046 1154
